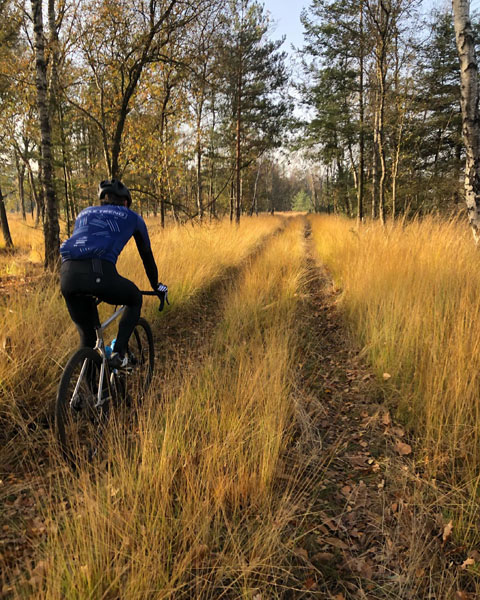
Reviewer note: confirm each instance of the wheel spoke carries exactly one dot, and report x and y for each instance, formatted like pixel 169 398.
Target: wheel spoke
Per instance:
pixel 80 420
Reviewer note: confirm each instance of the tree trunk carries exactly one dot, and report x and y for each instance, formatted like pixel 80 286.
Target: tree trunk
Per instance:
pixel 51 226
pixel 381 143
pixel 4 221
pixel 469 102
pixel 314 192
pixel 254 206
pixel 374 166
pixel 238 144
pixel 21 184
pixel 199 164
pixel 211 193
pixel 238 159
pixel 69 217
pixel 37 196
pixel 361 151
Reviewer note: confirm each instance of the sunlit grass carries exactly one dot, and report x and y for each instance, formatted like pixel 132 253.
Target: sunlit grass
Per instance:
pixel 36 334
pixel 190 257
pixel 28 247
pixel 411 295
pixel 190 506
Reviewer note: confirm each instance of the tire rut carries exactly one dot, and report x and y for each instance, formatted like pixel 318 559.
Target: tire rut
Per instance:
pixel 184 335
pixel 345 548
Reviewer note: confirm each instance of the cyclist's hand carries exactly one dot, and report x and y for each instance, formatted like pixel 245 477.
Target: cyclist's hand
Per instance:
pixel 162 293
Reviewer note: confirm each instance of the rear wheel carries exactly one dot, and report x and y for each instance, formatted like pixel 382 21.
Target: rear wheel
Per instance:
pixel 79 417
pixel 142 359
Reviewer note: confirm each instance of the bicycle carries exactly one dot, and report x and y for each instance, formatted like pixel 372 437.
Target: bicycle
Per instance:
pixel 89 388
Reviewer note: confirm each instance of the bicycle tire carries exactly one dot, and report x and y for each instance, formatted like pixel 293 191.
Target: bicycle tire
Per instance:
pixel 141 351
pixel 78 422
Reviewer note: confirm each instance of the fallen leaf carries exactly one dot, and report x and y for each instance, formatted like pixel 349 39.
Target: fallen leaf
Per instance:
pixel 386 376
pixel 355 533
pixel 40 568
pixel 386 419
pixel 420 573
pixel 461 595
pixel 336 543
pixel 310 583
pixel 323 557
pixel 398 431
pixel 330 524
pixel 359 461
pixel 447 531
pixel 302 553
pixel 402 448
pixel 467 563
pixel 363 567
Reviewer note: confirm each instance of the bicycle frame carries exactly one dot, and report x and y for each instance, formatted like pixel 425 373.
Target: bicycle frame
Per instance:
pixel 90 387
pixel 100 348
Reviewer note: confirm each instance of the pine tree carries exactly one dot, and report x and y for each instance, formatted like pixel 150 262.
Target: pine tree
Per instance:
pixel 334 61
pixel 256 108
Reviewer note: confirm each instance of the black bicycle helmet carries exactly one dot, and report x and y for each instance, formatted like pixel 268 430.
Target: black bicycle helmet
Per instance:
pixel 114 186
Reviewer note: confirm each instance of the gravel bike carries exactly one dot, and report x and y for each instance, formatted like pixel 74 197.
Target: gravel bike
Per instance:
pixel 89 388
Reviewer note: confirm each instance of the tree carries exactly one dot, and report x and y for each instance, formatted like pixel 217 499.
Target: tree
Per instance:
pixel 256 107
pixel 116 48
pixel 335 61
pixel 301 201
pixel 433 148
pixel 51 226
pixel 9 28
pixel 470 118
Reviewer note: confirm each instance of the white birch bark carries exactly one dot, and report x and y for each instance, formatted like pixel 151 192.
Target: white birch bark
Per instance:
pixel 469 103
pixel 51 226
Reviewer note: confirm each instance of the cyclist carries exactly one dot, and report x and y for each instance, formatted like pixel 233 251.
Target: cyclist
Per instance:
pixel 88 266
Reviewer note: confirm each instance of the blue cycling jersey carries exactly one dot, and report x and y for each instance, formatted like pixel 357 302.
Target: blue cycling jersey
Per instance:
pixel 102 232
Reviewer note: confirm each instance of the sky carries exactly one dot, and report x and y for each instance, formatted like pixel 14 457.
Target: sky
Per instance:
pixel 286 16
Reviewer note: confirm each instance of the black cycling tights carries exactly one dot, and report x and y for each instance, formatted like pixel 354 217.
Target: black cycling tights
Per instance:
pixel 82 279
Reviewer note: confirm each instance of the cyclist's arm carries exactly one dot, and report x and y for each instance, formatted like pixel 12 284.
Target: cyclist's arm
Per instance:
pixel 143 244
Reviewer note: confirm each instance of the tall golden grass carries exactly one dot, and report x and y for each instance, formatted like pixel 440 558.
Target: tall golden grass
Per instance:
pixel 190 507
pixel 36 332
pixel 28 247
pixel 411 293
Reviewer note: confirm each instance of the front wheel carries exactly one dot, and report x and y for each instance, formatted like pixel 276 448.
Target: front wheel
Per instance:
pixel 79 415
pixel 141 354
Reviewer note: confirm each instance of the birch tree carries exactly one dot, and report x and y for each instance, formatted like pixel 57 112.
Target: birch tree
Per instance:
pixel 51 226
pixel 464 36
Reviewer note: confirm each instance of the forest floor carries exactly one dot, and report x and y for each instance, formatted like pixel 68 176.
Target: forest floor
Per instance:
pixel 361 535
